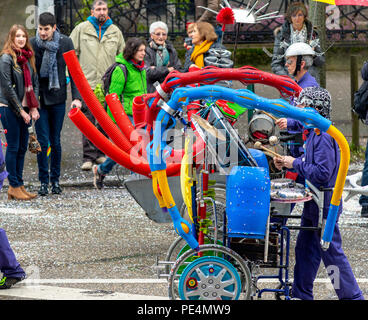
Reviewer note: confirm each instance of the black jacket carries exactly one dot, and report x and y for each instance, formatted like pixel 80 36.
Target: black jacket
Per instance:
pixel 12 83
pixel 50 97
pixel 159 73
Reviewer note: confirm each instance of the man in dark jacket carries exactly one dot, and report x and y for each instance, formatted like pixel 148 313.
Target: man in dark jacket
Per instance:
pixel 49 46
pixel 161 56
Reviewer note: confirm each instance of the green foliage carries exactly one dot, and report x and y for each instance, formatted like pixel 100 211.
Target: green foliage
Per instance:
pixel 85 12
pixel 357 153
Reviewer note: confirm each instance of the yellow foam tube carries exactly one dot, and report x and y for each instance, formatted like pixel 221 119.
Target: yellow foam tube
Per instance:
pixel 344 164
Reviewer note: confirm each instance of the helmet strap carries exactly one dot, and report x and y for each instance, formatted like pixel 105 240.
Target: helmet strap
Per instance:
pixel 298 65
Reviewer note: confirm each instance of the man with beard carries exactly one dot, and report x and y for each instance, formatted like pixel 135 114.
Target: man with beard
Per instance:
pixel 97 42
pixel 49 45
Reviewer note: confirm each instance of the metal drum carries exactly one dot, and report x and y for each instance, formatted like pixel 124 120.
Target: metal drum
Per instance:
pixel 287 190
pixel 247 202
pixel 261 127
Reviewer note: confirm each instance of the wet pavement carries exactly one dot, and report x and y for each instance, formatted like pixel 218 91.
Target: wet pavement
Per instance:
pixel 102 244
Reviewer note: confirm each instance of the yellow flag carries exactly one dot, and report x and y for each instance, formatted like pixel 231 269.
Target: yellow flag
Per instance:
pixel 326 1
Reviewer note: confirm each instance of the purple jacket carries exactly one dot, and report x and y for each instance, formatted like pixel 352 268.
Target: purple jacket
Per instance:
pixel 294 126
pixel 319 165
pixel 307 81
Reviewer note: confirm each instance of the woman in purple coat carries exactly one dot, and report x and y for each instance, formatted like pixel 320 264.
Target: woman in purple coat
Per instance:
pixel 319 165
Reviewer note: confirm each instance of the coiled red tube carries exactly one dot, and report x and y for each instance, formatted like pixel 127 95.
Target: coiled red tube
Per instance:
pixel 93 103
pixel 129 161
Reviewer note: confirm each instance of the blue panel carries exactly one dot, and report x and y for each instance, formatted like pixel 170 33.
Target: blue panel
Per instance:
pixel 247 202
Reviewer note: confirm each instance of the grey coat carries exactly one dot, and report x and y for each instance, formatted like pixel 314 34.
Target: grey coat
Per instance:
pixel 282 42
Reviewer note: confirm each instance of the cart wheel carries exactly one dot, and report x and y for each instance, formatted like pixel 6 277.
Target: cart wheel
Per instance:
pixel 210 251
pixel 177 248
pixel 210 278
pixel 174 251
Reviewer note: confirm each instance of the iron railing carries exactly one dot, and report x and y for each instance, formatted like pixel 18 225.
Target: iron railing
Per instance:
pixel 344 23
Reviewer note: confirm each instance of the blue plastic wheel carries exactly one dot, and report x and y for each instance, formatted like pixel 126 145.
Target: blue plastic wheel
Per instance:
pixel 210 278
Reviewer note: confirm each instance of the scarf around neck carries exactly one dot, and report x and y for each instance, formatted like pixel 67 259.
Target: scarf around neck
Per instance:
pixel 162 54
pixel 23 57
pixel 298 36
pixel 199 51
pixel 137 64
pixel 49 63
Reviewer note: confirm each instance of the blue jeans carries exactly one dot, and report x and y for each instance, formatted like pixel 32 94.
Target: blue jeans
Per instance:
pixel 17 139
pixel 363 200
pixel 48 129
pixel 109 164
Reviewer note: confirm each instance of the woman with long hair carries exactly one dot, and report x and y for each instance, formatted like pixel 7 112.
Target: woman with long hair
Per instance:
pixel 18 104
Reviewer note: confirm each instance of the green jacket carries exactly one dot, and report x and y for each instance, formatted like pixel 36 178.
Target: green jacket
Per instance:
pixel 136 84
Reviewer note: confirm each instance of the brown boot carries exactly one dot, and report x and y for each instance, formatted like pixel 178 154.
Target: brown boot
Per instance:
pixel 29 194
pixel 17 194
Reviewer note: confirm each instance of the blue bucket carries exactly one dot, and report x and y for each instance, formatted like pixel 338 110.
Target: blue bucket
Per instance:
pixel 259 157
pixel 247 202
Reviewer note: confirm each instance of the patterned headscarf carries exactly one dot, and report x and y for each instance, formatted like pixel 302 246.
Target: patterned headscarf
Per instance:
pixel 317 98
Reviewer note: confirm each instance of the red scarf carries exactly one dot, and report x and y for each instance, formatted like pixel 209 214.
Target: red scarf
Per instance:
pixel 23 56
pixel 137 64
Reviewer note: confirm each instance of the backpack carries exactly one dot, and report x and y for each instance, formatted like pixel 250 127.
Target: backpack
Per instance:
pixel 360 105
pixel 106 78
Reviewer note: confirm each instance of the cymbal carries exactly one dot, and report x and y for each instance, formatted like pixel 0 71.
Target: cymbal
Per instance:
pixel 204 124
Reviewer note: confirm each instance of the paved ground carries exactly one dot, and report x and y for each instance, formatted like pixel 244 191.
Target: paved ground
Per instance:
pixel 87 244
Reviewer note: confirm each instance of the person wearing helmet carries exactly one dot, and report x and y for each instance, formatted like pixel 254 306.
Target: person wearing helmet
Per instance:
pixel 299 58
pixel 319 165
pixel 296 28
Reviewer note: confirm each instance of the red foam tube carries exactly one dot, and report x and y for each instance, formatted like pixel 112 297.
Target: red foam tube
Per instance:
pixel 93 103
pixel 129 161
pixel 139 112
pixel 119 114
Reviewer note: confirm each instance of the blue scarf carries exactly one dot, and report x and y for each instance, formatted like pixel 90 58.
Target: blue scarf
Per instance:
pixel 100 28
pixel 49 63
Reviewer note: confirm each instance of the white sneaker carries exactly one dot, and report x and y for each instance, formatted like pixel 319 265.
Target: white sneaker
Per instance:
pixel 86 166
pixel 100 160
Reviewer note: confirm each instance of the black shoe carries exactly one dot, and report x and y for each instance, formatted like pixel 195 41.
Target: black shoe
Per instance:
pixel 98 178
pixel 8 282
pixel 364 212
pixel 44 189
pixel 55 189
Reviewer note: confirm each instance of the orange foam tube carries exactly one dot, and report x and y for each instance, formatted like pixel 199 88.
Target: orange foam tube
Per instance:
pixel 138 165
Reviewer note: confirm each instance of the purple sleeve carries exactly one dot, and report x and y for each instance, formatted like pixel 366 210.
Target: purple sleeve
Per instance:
pixel 294 125
pixel 320 160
